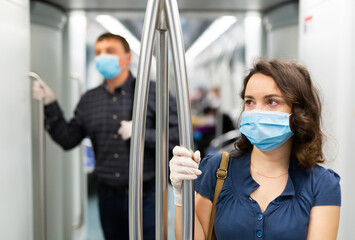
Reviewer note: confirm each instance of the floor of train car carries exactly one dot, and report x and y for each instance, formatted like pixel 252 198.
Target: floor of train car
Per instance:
pixel 93 229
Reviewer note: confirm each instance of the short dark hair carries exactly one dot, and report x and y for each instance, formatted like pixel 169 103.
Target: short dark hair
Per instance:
pixel 109 35
pixel 296 85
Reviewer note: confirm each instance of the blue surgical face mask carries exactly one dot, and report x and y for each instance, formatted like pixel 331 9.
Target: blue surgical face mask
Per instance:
pixel 107 65
pixel 266 130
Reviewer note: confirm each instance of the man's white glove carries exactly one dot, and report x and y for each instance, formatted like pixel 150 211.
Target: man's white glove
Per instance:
pixel 125 130
pixel 183 166
pixel 41 91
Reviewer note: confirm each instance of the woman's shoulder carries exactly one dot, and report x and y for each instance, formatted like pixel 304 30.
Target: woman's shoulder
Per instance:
pixel 211 160
pixel 325 186
pixel 205 183
pixel 215 158
pixel 319 172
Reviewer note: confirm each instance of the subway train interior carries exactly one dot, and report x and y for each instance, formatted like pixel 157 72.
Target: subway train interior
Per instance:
pixel 50 193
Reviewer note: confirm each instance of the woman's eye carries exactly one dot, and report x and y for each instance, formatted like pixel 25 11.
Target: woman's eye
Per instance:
pixel 272 102
pixel 248 102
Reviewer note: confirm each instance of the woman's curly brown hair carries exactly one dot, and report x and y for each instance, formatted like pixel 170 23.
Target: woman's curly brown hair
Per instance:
pixel 296 85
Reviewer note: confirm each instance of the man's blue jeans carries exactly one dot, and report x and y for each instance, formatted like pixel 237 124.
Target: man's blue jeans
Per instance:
pixel 113 207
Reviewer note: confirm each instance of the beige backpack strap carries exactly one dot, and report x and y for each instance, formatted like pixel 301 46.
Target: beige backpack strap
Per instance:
pixel 221 176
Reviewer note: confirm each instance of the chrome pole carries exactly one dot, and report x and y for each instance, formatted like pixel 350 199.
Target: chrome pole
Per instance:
pixel 42 165
pixel 42 174
pixel 184 113
pixel 156 12
pixel 139 120
pixel 162 130
pixel 80 223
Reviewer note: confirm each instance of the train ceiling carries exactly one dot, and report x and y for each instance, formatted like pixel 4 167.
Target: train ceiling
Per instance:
pixel 196 15
pixel 184 5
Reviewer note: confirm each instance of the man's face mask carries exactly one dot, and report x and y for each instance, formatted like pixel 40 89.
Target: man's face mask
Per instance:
pixel 107 65
pixel 267 130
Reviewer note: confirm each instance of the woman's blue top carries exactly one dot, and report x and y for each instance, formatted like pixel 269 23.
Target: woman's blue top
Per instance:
pixel 238 216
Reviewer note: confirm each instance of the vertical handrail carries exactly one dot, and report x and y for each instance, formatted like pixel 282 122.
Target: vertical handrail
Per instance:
pixel 42 165
pixel 184 113
pixel 162 130
pixel 139 120
pixel 156 12
pixel 80 223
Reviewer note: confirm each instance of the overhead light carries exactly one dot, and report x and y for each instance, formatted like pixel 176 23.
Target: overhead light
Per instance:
pixel 214 31
pixel 253 20
pixel 114 26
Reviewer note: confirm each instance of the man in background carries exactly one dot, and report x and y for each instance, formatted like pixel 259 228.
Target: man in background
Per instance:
pixel 104 114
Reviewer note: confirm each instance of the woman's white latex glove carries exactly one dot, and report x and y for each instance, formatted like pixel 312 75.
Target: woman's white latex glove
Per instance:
pixel 41 91
pixel 183 166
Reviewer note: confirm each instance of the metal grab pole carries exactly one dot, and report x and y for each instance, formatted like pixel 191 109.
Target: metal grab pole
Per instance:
pixel 185 127
pixel 162 130
pixel 42 165
pixel 157 10
pixel 139 120
pixel 80 223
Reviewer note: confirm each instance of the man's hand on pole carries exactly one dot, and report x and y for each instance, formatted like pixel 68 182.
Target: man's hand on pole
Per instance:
pixel 41 91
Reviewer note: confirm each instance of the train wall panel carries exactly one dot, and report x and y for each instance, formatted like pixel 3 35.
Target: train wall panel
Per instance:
pixel 327 36
pixel 282 43
pixel 281 30
pixel 15 128
pixel 46 56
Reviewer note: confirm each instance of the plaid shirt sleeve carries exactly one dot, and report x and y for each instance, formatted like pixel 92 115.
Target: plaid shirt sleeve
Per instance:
pixel 67 135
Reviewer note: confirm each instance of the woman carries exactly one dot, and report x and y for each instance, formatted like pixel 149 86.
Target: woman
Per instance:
pixel 275 188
